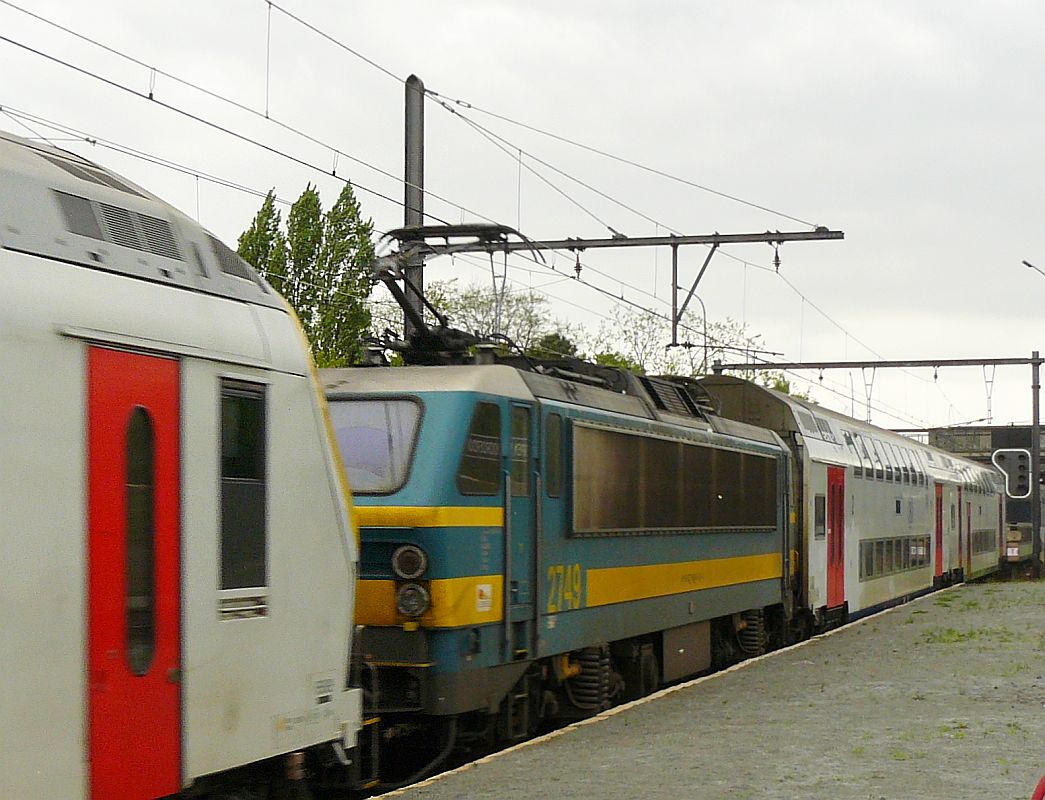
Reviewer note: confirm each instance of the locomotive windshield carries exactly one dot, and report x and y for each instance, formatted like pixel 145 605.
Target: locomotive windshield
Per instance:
pixel 376 440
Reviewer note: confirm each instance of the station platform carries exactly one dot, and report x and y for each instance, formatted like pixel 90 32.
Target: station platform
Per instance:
pixel 941 698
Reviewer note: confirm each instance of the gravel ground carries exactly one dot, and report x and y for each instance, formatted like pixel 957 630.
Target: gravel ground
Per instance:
pixel 940 698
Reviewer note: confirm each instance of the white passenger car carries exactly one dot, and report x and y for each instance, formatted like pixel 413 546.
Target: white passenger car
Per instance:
pixel 879 517
pixel 177 580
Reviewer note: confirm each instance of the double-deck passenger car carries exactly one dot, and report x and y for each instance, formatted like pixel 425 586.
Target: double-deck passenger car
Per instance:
pixel 880 517
pixel 178 559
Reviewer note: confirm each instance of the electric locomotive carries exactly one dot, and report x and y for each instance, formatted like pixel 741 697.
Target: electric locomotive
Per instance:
pixel 539 541
pixel 543 538
pixel 178 576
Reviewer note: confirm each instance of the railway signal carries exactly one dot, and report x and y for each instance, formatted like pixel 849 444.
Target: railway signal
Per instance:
pixel 1014 463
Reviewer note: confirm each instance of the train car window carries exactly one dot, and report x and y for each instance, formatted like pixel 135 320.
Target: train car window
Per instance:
pixel 377 438
pixel 887 458
pixel 480 470
pixel 553 455
pixel 630 483
pixel 953 516
pixel 243 485
pixel 866 560
pixel 865 456
pixel 141 583
pixel 879 557
pixel 858 470
pixel 879 465
pixel 899 506
pixel 820 516
pixel 907 466
pixel 520 451
pixel 894 451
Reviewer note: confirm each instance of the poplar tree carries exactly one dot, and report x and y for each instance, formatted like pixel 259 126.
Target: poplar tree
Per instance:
pixel 321 265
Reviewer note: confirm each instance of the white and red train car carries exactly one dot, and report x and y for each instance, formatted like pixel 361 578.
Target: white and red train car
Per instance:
pixel 877 517
pixel 178 554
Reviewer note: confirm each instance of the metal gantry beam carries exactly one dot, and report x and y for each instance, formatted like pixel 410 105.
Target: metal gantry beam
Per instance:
pixel 580 245
pixel 924 362
pixel 415 245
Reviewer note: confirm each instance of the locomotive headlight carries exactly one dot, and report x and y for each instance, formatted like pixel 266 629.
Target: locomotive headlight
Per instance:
pixel 409 562
pixel 412 599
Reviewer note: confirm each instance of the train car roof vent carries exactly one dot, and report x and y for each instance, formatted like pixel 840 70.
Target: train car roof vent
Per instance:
pixel 159 238
pixel 231 264
pixel 668 397
pixel 86 172
pixel 121 225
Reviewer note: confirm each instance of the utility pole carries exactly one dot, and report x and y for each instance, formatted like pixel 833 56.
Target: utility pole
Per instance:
pixel 1035 463
pixel 413 194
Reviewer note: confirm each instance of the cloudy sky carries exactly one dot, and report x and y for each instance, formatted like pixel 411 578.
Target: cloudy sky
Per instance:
pixel 915 128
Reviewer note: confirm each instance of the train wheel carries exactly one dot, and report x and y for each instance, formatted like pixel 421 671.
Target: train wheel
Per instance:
pixel 642 674
pixel 649 672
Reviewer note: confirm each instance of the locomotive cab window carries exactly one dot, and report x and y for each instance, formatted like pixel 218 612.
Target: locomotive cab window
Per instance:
pixel 480 470
pixel 376 438
pixel 243 485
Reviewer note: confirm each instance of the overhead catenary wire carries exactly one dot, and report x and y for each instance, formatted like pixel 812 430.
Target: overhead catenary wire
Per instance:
pixel 335 150
pixel 204 121
pixel 622 159
pixel 222 98
pixel 75 135
pixel 265 115
pixel 566 140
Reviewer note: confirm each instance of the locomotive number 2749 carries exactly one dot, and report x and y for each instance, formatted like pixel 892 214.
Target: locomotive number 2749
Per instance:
pixel 564 587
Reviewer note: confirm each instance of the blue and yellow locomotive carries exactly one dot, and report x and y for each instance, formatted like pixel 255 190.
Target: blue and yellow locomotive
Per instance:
pixel 541 540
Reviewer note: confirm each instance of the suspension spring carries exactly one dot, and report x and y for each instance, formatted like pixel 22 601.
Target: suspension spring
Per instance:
pixel 591 689
pixel 752 634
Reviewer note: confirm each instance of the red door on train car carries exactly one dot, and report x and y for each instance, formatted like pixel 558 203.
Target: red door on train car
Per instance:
pixel 938 571
pixel 968 538
pixel 133 637
pixel 835 536
pixel 961 530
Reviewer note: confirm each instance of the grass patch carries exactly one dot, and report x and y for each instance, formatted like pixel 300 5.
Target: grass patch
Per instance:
pixel 940 635
pixel 896 754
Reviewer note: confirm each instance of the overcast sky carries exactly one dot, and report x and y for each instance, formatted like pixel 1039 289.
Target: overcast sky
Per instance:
pixel 915 128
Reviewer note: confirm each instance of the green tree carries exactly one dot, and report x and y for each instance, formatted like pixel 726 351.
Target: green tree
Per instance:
pixel 611 359
pixel 264 246
pixel 321 265
pixel 552 345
